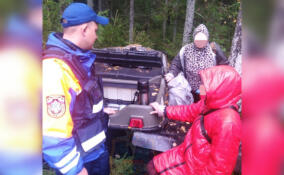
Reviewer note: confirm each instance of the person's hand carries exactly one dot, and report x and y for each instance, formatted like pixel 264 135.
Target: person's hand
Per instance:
pixel 169 77
pixel 158 109
pixel 83 172
pixel 109 111
pixel 151 168
pixel 213 46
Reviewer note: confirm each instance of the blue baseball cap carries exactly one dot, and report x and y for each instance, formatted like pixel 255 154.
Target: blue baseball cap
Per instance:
pixel 79 13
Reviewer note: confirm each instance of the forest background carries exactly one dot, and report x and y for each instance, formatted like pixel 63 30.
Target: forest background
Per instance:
pixel 164 25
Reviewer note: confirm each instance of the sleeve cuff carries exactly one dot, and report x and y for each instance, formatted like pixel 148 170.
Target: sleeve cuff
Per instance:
pixel 165 113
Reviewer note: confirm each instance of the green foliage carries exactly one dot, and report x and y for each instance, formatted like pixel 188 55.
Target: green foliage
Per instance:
pixel 218 15
pixel 113 34
pixel 143 38
pixel 122 166
pixel 52 11
pixel 46 170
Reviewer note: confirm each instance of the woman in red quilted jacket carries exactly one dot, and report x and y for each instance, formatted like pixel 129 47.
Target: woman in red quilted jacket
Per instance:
pixel 211 145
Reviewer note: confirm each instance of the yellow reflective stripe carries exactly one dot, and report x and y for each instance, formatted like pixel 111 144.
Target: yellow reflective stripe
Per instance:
pixel 98 107
pixel 67 158
pixel 92 142
pixel 70 165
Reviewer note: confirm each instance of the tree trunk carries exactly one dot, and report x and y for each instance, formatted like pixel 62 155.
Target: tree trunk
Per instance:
pixel 131 21
pixel 165 20
pixel 175 30
pixel 90 3
pixel 236 48
pixel 188 21
pixel 275 34
pixel 110 8
pixel 149 6
pixel 175 21
pixel 100 5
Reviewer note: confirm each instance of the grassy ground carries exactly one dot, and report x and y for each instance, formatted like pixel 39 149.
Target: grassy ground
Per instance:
pixel 126 165
pixel 46 170
pixel 125 159
pixel 119 166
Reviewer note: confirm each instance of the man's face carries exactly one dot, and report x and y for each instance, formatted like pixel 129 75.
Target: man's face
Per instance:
pixel 91 34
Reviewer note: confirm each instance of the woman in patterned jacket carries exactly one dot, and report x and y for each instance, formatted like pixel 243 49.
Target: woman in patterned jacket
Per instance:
pixel 195 56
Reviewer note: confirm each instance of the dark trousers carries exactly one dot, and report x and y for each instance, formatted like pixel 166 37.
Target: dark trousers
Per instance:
pixel 100 166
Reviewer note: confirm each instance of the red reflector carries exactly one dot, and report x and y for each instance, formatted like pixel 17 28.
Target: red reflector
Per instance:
pixel 136 123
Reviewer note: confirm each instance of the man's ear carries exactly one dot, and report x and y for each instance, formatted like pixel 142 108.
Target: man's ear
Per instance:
pixel 84 29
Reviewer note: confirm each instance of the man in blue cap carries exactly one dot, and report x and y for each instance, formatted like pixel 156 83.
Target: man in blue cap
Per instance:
pixel 74 117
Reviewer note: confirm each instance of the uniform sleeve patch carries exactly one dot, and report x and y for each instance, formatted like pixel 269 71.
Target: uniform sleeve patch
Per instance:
pixel 56 105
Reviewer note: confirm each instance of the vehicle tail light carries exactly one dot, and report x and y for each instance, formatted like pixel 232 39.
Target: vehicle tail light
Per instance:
pixel 136 122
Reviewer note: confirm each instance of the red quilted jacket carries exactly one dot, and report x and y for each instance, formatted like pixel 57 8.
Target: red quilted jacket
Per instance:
pixel 196 156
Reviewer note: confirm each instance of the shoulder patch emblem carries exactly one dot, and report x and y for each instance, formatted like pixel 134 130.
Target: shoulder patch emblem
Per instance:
pixel 55 105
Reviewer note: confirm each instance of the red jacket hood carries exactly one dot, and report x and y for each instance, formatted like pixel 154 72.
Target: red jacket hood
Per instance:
pixel 222 85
